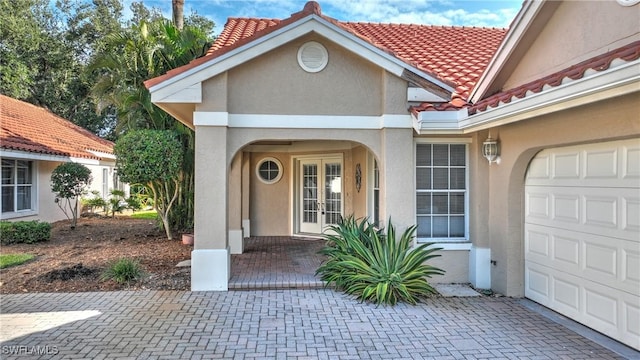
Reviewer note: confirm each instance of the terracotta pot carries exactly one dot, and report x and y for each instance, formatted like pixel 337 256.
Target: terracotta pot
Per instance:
pixel 187 239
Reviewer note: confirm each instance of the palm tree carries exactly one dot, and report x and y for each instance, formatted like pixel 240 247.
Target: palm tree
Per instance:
pixel 177 7
pixel 139 53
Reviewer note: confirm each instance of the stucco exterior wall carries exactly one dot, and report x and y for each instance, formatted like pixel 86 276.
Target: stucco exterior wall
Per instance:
pixel 602 121
pixel 455 263
pixel 274 83
pixel 47 210
pixel 360 198
pixel 270 211
pixel 567 38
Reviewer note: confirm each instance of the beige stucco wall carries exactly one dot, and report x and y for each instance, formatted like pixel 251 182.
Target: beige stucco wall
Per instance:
pixel 270 211
pixel 569 38
pixel 602 121
pixel 359 198
pixel 274 83
pixel 455 263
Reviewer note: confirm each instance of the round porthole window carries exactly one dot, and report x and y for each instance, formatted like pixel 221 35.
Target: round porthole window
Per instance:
pixel 269 170
pixel 312 57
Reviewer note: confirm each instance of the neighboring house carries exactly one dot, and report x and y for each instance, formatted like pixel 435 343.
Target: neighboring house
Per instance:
pixel 33 142
pixel 303 120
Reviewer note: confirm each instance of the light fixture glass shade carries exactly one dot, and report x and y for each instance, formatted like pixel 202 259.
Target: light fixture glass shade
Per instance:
pixel 490 149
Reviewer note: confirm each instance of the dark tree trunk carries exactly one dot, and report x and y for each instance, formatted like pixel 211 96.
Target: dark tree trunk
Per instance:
pixel 178 13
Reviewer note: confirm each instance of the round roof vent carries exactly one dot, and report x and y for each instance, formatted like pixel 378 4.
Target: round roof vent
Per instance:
pixel 313 57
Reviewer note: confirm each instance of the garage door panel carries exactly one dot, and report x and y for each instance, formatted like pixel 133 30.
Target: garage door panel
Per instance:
pixel 631 214
pixel 582 235
pixel 538 284
pixel 594 165
pixel 630 265
pixel 631 321
pixel 603 211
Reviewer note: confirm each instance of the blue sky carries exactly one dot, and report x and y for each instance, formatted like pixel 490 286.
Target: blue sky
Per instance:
pixel 492 13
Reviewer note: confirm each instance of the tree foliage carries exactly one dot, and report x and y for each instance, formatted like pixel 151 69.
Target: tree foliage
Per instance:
pixel 152 158
pixel 69 181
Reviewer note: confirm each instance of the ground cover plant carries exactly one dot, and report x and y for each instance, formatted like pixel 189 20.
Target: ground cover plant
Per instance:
pixel 8 260
pixel 374 265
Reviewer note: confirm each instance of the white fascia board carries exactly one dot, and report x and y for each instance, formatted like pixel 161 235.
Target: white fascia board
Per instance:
pixel 312 23
pixel 16 154
pixel 189 94
pixel 621 80
pixel 520 25
pixel 262 121
pixel 103 155
pixel 445 122
pixel 85 161
pixel 421 95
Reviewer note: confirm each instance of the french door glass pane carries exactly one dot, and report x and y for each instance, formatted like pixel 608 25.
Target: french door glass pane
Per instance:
pixel 310 193
pixel 333 193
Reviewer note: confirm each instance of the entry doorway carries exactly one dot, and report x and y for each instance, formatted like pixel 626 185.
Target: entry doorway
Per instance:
pixel 319 192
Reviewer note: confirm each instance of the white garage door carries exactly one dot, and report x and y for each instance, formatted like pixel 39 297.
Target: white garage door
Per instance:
pixel 582 235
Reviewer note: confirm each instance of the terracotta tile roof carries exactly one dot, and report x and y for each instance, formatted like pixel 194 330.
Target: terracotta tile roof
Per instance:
pixel 602 62
pixel 26 127
pixel 455 55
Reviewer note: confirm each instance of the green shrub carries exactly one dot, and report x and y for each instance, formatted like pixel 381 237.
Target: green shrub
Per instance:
pixel 27 232
pixel 123 271
pixel 373 266
pixel 93 202
pixel 7 260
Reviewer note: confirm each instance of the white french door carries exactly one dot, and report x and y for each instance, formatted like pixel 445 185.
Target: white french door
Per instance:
pixel 320 194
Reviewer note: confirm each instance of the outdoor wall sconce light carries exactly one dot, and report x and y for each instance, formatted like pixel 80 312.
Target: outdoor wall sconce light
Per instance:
pixel 491 150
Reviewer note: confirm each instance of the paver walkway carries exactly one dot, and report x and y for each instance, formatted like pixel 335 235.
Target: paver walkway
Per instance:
pixel 278 324
pixel 277 262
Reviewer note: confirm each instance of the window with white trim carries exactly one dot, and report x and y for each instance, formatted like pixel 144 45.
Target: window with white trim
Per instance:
pixel 441 191
pixel 17 186
pixel 269 170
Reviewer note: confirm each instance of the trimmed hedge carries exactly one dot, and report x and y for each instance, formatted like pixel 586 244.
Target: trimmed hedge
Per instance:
pixel 28 232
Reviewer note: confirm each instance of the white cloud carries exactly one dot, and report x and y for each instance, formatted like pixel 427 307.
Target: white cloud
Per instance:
pixel 468 13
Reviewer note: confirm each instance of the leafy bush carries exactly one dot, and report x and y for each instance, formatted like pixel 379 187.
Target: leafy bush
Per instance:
pixel 93 202
pixel 7 260
pixel 27 232
pixel 69 181
pixel 116 203
pixel 123 271
pixel 374 266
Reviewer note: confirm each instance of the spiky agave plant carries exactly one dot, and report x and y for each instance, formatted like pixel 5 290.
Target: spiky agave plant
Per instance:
pixel 373 266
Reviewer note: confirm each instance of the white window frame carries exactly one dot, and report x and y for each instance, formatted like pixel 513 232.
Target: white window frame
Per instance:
pixel 278 164
pixel 33 210
pixel 444 141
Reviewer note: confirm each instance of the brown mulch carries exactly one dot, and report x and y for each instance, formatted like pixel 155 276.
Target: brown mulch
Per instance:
pixel 73 260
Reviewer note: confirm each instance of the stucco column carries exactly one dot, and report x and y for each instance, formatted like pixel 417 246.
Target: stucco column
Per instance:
pixel 210 259
pixel 246 175
pixel 397 170
pixel 236 240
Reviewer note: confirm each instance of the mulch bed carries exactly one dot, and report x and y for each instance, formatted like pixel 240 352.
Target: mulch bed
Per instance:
pixel 74 259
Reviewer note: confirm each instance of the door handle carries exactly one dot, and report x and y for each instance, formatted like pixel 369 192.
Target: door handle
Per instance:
pixel 322 208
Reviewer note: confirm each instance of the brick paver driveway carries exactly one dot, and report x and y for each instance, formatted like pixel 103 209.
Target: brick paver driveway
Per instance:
pixel 278 324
